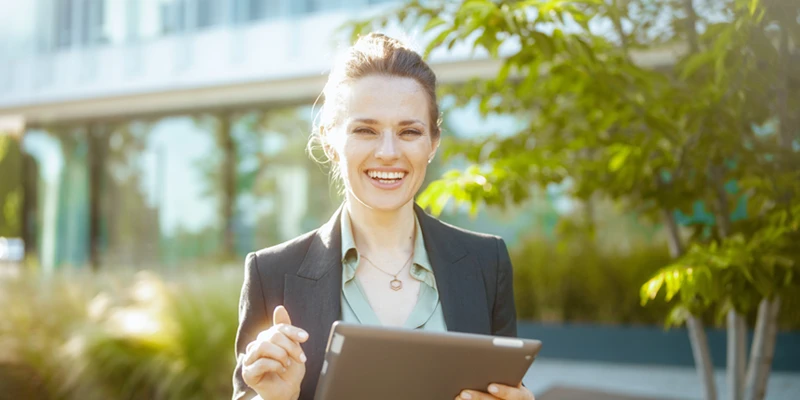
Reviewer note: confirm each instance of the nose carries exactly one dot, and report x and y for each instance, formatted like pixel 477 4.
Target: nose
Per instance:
pixel 387 148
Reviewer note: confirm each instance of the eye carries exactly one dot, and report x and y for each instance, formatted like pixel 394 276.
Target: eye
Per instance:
pixel 364 131
pixel 411 132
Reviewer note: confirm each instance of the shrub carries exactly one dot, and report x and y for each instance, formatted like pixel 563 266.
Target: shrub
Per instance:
pixel 577 280
pixel 120 336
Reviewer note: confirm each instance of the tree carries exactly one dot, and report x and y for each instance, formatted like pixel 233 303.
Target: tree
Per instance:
pixel 11 190
pixel 659 140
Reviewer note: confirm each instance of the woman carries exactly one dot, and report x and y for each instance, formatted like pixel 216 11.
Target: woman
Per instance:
pixel 380 259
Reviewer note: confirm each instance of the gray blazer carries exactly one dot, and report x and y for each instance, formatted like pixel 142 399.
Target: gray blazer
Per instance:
pixel 473 275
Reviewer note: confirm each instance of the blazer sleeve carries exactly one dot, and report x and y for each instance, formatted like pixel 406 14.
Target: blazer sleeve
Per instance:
pixel 253 318
pixel 504 314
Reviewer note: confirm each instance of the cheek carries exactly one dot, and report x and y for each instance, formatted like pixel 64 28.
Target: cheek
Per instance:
pixel 352 155
pixel 420 154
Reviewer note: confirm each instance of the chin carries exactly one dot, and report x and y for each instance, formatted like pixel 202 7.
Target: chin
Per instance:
pixel 383 202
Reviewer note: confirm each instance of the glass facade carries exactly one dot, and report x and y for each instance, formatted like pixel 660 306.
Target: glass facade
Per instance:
pixel 58 214
pixel 203 188
pixel 45 26
pixel 157 200
pixel 178 190
pixel 281 192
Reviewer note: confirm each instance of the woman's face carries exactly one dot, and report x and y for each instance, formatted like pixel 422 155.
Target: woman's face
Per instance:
pixel 382 140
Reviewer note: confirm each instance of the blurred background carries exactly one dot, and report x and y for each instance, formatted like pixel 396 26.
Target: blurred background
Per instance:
pixel 146 146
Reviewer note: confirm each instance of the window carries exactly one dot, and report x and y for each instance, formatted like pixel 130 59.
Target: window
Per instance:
pixel 159 196
pixel 172 17
pixel 207 13
pixel 59 225
pixel 63 23
pixel 254 10
pixel 281 193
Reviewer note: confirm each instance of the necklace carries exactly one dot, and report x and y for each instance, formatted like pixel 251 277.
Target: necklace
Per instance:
pixel 395 284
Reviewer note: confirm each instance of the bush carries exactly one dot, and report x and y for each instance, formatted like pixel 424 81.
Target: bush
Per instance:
pixel 119 336
pixel 577 280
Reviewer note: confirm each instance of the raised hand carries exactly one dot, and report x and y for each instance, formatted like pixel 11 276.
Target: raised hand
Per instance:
pixel 274 363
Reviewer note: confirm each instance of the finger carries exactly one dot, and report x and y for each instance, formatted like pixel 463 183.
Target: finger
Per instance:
pixel 281 316
pixel 268 350
pixel 474 395
pixel 508 392
pixel 297 334
pixel 252 373
pixel 275 335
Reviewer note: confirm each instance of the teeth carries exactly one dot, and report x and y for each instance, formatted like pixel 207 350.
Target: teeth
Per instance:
pixel 386 175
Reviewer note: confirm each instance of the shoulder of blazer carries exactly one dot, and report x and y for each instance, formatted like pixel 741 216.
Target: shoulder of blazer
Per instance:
pixel 284 257
pixel 468 239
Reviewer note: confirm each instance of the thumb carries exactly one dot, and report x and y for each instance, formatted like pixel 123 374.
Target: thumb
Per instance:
pixel 281 316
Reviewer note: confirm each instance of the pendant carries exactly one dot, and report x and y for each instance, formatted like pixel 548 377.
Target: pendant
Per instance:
pixel 396 284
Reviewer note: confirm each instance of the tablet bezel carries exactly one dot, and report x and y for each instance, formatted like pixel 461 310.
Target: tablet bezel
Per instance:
pixel 462 354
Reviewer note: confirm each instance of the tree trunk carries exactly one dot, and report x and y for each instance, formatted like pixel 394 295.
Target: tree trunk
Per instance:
pixel 736 354
pixel 697 333
pixel 616 19
pixel 691 26
pixel 723 215
pixel 782 95
pixel 762 350
pixel 702 356
pixel 673 235
pixel 228 183
pixel 97 149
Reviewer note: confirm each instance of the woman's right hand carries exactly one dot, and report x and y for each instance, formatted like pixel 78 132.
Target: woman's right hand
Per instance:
pixel 274 363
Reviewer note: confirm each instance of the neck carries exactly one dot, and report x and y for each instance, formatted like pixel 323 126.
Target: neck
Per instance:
pixel 379 231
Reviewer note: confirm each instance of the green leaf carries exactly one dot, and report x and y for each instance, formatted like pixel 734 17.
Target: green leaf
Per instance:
pixel 618 160
pixel 696 62
pixel 650 289
pixel 502 75
pixel 545 44
pixel 753 7
pixel 433 23
pixel 437 41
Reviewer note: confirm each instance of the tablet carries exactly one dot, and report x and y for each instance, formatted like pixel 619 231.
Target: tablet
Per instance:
pixel 374 362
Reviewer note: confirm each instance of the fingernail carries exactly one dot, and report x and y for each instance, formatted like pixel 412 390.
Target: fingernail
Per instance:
pixel 303 357
pixel 465 395
pixel 493 389
pixel 289 363
pixel 302 335
pixel 283 370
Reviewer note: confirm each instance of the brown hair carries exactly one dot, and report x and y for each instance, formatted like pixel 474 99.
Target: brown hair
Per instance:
pixel 374 54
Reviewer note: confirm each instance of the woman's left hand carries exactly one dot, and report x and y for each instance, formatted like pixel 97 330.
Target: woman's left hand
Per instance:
pixel 498 391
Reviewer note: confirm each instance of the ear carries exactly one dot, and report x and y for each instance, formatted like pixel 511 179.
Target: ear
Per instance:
pixel 433 152
pixel 330 152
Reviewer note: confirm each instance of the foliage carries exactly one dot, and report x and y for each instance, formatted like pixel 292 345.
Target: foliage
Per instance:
pixel 121 336
pixel 711 126
pixel 10 186
pixel 575 280
pixel 736 271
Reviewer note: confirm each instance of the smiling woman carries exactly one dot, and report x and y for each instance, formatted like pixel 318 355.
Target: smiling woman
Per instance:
pixel 380 260
pixel 382 146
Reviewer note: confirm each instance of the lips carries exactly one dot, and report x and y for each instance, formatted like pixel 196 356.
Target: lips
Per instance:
pixel 386 179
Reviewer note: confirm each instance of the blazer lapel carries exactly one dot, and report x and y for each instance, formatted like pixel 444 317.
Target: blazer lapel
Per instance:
pixel 458 278
pixel 312 296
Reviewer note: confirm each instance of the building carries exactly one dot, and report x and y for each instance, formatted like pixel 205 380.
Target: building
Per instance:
pixel 170 132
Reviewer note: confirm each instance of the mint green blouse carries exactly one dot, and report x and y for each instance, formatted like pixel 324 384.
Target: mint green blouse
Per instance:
pixel 426 314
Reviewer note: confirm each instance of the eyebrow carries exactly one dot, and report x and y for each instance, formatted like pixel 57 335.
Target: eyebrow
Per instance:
pixel 407 122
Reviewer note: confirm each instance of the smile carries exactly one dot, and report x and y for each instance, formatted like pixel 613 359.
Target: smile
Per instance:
pixel 386 179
